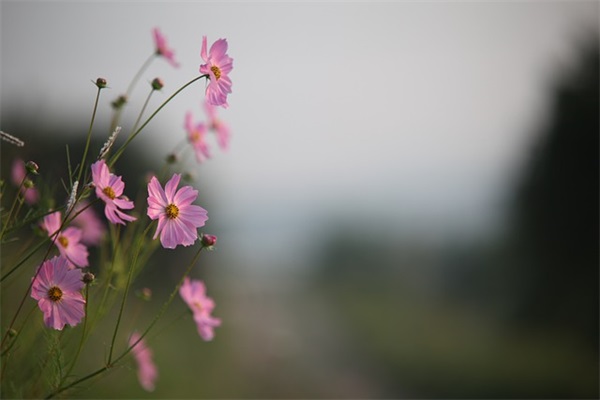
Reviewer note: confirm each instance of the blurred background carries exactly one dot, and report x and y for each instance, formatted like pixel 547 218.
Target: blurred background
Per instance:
pixel 408 209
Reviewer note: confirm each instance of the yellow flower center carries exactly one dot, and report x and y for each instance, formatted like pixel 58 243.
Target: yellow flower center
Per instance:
pixel 216 71
pixel 198 306
pixel 195 136
pixel 64 242
pixel 172 211
pixel 54 293
pixel 109 192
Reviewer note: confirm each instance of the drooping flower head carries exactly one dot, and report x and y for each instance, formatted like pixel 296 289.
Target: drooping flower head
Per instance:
pixel 162 49
pixel 92 228
pixel 178 218
pixel 217 125
pixel 57 288
pixel 18 173
pixel 67 240
pixel 193 292
pixel 197 137
pixel 147 371
pixel 109 187
pixel 217 65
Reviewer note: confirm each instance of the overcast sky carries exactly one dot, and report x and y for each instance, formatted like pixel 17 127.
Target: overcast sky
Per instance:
pixel 415 113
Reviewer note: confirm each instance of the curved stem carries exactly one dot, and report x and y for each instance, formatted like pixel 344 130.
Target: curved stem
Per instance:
pixel 135 133
pixel 85 320
pixel 166 305
pixel 89 136
pixel 131 268
pixel 137 121
pixel 12 208
pixel 145 65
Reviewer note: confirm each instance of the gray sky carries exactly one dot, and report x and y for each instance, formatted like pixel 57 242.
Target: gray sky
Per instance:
pixel 413 113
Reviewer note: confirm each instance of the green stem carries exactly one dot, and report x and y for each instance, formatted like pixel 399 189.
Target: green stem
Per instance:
pixel 135 133
pixel 132 84
pixel 85 319
pixel 89 136
pixel 166 305
pixel 137 121
pixel 12 208
pixel 131 268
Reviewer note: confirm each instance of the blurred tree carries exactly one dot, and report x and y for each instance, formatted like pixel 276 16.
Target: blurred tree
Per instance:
pixel 556 210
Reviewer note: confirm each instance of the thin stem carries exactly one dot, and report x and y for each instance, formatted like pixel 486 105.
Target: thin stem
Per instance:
pixel 12 207
pixel 166 305
pixel 132 84
pixel 135 133
pixel 89 136
pixel 85 319
pixel 137 121
pixel 131 268
pixel 85 378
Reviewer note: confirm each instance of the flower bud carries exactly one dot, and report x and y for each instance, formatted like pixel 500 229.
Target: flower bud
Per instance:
pixel 101 83
pixel 208 241
pixel 28 184
pixel 88 278
pixel 119 102
pixel 32 167
pixel 144 294
pixel 12 333
pixel 157 84
pixel 171 158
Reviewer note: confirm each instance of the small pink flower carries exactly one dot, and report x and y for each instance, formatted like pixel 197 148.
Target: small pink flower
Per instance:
pixel 67 240
pixel 109 188
pixel 162 49
pixel 218 65
pixel 92 228
pixel 18 173
pixel 194 295
pixel 197 136
pixel 215 124
pixel 147 371
pixel 178 218
pixel 57 288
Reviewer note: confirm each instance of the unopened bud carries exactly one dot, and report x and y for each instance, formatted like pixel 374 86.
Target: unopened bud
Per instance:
pixel 157 84
pixel 119 102
pixel 145 294
pixel 208 240
pixel 88 278
pixel 172 158
pixel 12 333
pixel 101 83
pixel 32 167
pixel 28 184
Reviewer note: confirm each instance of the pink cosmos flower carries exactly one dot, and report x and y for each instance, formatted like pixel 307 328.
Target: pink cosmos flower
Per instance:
pixel 57 288
pixel 197 136
pixel 18 173
pixel 218 65
pixel 178 218
pixel 92 228
pixel 147 371
pixel 162 49
pixel 67 240
pixel 215 124
pixel 194 294
pixel 109 188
